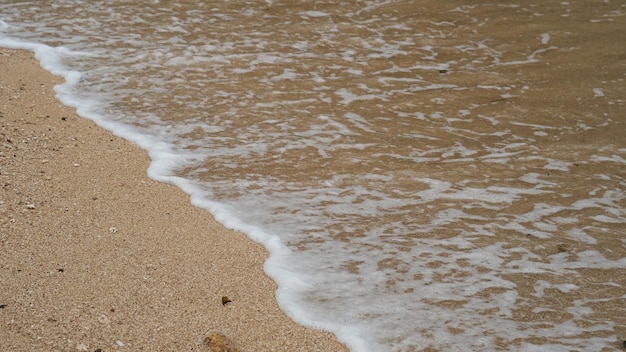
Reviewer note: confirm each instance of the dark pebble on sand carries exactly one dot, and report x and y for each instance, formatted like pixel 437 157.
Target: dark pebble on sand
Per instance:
pixel 225 300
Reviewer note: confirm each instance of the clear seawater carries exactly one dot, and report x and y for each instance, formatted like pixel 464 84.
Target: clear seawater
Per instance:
pixel 427 175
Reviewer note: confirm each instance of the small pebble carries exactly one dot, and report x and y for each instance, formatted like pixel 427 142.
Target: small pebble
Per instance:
pixel 113 229
pixel 225 300
pixel 103 319
pixel 30 206
pixel 217 342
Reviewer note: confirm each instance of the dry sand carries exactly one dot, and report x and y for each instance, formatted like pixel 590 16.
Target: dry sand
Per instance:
pixel 95 256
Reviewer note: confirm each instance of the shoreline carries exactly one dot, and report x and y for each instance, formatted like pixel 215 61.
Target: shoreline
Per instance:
pixel 97 256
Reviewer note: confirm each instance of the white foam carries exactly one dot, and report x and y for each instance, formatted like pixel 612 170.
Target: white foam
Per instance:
pixel 4 26
pixel 598 92
pixel 314 14
pixel 349 97
pixel 613 158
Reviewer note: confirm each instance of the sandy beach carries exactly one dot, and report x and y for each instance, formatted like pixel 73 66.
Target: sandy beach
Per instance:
pixel 95 256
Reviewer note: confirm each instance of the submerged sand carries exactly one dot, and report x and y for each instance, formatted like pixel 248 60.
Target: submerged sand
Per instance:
pixel 95 256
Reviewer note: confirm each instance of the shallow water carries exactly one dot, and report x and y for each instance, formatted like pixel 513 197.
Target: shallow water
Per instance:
pixel 426 174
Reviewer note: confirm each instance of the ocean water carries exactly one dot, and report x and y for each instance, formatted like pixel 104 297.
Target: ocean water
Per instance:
pixel 427 175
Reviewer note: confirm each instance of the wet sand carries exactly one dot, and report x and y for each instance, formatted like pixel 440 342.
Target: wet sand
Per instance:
pixel 95 256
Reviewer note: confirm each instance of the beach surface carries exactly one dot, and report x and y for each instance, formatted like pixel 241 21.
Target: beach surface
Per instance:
pixel 95 256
